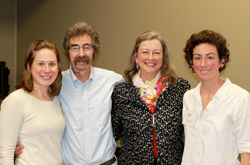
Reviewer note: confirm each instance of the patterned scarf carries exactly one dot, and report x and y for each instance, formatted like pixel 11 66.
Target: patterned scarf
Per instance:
pixel 149 92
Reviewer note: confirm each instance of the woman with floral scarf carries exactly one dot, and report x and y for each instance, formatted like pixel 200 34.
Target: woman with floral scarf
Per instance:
pixel 147 108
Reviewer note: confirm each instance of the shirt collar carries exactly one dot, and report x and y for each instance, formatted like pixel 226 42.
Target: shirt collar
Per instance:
pixel 223 89
pixel 219 94
pixel 74 78
pixel 196 92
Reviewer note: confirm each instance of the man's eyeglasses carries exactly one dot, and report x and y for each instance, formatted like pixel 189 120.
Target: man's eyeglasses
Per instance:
pixel 85 47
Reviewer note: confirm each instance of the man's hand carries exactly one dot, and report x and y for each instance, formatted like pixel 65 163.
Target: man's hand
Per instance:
pixel 245 158
pixel 19 149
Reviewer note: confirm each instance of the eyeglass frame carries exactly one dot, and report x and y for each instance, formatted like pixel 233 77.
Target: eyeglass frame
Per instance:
pixel 85 47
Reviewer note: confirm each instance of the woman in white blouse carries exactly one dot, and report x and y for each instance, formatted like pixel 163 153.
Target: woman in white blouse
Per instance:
pixel 216 114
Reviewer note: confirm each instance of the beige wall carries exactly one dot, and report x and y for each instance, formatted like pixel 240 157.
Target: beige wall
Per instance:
pixel 8 38
pixel 120 22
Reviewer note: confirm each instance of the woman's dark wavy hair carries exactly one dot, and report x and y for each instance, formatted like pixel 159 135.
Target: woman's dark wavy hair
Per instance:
pixel 78 29
pixel 167 70
pixel 27 82
pixel 211 37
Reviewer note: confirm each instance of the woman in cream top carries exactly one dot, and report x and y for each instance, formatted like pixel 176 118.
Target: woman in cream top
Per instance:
pixel 32 114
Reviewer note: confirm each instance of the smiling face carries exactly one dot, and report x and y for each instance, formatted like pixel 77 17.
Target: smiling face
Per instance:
pixel 149 58
pixel 206 62
pixel 44 68
pixel 81 59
